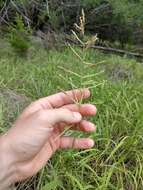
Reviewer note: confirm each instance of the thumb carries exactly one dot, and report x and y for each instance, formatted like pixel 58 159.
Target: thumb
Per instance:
pixel 55 116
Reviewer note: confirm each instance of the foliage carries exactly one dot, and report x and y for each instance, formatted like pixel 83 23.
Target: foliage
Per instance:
pixel 19 36
pixel 112 20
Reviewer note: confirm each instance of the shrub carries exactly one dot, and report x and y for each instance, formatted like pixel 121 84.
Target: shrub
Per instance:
pixel 19 36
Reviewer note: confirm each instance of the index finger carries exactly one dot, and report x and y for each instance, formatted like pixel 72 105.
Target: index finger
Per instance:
pixel 64 98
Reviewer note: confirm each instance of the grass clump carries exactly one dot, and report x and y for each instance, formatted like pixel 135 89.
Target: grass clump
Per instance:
pixel 116 161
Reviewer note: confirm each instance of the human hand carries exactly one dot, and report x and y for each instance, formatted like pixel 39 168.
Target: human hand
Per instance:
pixel 36 134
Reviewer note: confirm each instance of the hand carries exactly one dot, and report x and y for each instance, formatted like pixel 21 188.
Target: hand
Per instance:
pixel 36 134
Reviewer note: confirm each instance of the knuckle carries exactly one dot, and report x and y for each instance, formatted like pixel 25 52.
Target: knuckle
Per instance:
pixel 65 111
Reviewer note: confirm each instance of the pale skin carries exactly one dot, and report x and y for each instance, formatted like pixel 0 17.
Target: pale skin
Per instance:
pixel 36 135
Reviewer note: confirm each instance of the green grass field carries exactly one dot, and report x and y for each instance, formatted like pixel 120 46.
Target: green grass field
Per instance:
pixel 116 161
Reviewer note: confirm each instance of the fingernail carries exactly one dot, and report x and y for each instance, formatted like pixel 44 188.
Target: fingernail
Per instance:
pixel 77 116
pixel 90 143
pixel 92 126
pixel 87 92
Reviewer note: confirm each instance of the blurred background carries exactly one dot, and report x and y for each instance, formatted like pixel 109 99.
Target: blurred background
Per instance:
pixel 117 23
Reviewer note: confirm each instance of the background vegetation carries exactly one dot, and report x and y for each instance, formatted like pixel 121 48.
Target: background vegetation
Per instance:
pixel 112 20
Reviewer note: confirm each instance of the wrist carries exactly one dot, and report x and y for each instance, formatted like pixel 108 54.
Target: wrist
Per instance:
pixel 7 166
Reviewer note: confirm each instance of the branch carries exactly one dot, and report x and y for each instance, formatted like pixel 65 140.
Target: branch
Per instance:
pixel 108 49
pixel 118 51
pixel 105 49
